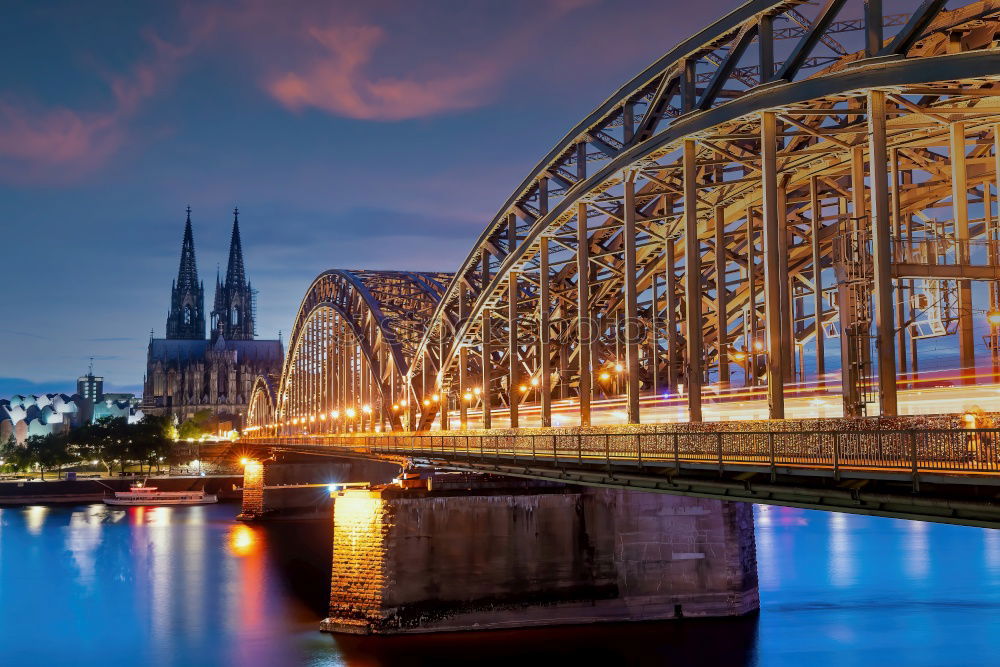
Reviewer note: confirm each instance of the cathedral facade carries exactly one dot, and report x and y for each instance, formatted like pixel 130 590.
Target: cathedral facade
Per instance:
pixel 187 371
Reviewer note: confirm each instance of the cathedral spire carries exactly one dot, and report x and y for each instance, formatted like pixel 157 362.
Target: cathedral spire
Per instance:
pixel 233 315
pixel 186 319
pixel 235 274
pixel 187 274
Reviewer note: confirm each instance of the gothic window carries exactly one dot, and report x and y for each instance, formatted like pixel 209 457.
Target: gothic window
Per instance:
pixel 188 315
pixel 234 316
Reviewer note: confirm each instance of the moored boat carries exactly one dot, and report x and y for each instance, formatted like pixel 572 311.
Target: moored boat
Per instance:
pixel 141 494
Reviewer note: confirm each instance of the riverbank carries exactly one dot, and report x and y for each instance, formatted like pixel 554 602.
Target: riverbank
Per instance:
pixel 21 492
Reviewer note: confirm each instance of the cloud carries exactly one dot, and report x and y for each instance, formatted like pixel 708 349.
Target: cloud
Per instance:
pixel 338 83
pixel 340 74
pixel 41 143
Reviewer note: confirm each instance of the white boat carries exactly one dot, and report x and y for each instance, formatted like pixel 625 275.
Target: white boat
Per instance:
pixel 141 494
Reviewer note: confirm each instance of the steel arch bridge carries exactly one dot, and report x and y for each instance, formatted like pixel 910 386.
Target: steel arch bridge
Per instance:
pixel 766 203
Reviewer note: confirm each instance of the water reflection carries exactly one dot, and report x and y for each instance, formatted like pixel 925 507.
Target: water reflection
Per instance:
pixel 188 586
pixel 35 518
pixel 842 563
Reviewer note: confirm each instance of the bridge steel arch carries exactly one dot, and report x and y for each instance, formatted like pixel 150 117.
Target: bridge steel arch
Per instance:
pixel 730 206
pixel 350 349
pixel 759 190
pixel 261 412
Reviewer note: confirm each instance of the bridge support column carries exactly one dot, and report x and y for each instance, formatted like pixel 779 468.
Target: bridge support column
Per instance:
pixel 773 304
pixel 414 561
pixel 252 506
pixel 692 282
pixel 885 322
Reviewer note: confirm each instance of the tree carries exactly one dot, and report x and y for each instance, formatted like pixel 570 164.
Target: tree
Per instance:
pixel 48 451
pixel 14 456
pixel 200 423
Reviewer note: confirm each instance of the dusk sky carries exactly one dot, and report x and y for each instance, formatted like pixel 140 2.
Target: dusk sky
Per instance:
pixel 372 134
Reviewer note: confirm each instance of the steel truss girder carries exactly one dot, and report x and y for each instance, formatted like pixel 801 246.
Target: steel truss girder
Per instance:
pixel 518 255
pixel 384 314
pixel 574 204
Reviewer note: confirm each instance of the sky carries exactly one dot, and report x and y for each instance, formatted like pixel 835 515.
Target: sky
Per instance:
pixel 369 134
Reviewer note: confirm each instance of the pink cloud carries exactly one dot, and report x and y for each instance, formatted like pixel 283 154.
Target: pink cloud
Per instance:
pixel 339 75
pixel 338 82
pixel 59 143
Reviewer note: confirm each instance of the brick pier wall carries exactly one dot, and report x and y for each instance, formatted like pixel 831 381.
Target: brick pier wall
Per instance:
pixel 252 506
pixel 408 561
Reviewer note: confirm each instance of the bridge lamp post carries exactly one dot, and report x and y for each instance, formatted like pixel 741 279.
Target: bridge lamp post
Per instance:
pixel 993 317
pixel 741 358
pixel 367 410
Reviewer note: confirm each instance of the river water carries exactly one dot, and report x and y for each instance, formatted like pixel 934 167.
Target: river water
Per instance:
pixel 90 585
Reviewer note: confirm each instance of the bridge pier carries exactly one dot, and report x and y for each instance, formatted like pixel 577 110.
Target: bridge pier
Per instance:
pixel 531 554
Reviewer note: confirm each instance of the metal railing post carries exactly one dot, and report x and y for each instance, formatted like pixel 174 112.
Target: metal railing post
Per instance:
pixel 770 454
pixel 718 444
pixel 913 458
pixel 836 456
pixel 677 453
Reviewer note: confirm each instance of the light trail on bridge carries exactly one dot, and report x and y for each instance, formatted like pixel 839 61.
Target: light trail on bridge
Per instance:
pixel 695 247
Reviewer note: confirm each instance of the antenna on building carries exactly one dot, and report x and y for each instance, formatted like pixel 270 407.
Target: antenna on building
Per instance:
pixel 90 370
pixel 279 337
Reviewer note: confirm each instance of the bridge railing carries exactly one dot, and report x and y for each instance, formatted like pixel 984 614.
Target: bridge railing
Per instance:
pixel 957 451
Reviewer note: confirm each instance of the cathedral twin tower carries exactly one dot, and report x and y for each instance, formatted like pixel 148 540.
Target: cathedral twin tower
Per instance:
pixel 187 373
pixel 232 316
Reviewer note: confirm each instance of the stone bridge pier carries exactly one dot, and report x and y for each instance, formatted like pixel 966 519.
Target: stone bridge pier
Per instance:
pixel 473 553
pixel 293 486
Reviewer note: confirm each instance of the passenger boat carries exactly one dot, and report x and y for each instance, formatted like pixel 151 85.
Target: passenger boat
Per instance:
pixel 140 494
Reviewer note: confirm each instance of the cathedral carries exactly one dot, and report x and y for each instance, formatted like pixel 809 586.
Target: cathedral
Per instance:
pixel 187 372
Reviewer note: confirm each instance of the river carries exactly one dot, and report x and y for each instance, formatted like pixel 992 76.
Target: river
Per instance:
pixel 90 585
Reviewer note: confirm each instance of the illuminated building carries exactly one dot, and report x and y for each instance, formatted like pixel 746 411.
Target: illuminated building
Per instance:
pixel 187 372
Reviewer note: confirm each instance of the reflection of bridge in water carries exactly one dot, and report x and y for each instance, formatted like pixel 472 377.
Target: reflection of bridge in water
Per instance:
pixel 769 222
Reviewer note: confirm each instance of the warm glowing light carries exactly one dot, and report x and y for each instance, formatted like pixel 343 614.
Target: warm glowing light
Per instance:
pixel 335 414
pixel 312 418
pixel 355 511
pixel 351 413
pixel 523 387
pixel 534 382
pixel 403 402
pixel 244 461
pixel 467 396
pixel 993 317
pixel 242 540
pixel 435 398
pixel 367 409
pixel 604 376
pixel 322 416
pixel 739 356
pixel 426 402
pixel 619 368
pixel 476 391
pixel 970 420
pixel 757 345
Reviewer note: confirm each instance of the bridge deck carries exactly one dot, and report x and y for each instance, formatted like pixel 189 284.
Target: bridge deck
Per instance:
pixel 938 474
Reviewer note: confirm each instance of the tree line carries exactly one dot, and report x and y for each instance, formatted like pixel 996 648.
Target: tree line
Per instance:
pixel 110 442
